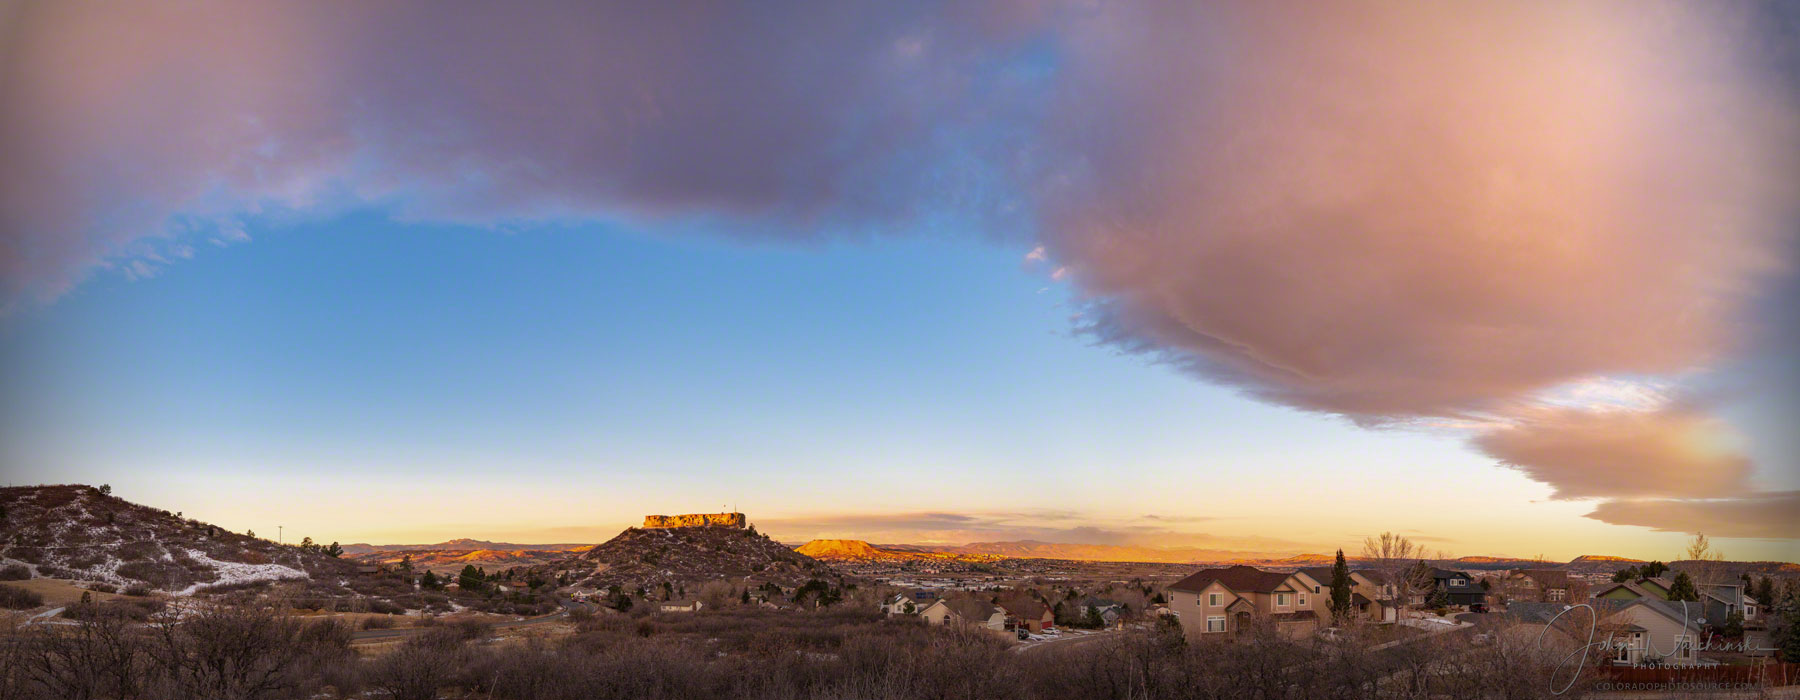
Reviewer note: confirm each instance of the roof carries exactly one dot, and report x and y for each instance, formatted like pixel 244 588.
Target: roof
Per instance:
pixel 1024 607
pixel 1548 578
pixel 1688 613
pixel 1627 585
pixel 1358 599
pixel 1322 574
pixel 1441 574
pixel 678 603
pixel 971 608
pixel 1540 613
pixel 1240 578
pixel 1295 616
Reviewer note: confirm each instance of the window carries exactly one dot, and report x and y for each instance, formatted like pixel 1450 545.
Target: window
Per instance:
pixel 1749 611
pixel 1302 600
pixel 1684 647
pixel 1215 599
pixel 1216 623
pixel 1556 594
pixel 1281 600
pixel 1315 589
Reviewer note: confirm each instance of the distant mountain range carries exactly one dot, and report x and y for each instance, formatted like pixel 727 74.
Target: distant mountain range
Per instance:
pixel 463 545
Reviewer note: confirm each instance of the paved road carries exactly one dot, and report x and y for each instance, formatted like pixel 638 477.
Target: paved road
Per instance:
pixel 1066 641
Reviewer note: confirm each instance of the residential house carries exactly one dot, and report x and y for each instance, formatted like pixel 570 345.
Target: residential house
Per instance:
pixel 1536 586
pixel 1027 613
pixel 908 602
pixel 1459 588
pixel 1717 600
pixel 1112 614
pixel 965 611
pixel 1219 601
pixel 681 605
pixel 1366 598
pixel 1651 632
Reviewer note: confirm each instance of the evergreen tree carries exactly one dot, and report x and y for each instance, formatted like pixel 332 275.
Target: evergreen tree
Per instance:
pixel 406 564
pixel 746 598
pixel 1655 569
pixel 306 544
pixel 106 489
pixel 1734 625
pixel 471 578
pixel 1094 621
pixel 1683 588
pixel 1340 587
pixel 1765 591
pixel 1787 634
pixel 429 581
pixel 1627 574
pixel 334 550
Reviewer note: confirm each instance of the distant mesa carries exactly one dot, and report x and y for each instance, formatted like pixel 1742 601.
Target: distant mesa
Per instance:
pixel 694 520
pixel 839 549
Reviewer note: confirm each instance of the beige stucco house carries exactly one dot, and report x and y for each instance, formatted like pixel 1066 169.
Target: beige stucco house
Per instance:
pixel 1223 601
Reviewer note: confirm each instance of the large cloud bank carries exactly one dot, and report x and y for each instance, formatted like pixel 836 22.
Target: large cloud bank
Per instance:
pixel 1395 213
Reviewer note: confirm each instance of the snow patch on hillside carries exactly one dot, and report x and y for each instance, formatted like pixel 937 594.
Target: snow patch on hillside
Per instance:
pixel 231 572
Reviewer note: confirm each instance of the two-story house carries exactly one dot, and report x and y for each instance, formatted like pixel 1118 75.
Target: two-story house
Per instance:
pixel 1459 588
pixel 1366 598
pixel 1224 601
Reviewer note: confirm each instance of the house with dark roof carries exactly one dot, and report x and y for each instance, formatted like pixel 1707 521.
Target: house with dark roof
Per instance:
pixel 1228 600
pixel 1458 588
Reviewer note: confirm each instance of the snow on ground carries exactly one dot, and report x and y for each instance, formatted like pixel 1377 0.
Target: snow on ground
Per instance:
pixel 231 572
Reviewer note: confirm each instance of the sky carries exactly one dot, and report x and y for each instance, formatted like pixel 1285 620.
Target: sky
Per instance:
pixel 1259 277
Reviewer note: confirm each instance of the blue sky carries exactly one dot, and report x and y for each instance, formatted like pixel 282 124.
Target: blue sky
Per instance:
pixel 440 381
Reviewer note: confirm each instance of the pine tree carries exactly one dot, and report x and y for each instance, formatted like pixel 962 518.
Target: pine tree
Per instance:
pixel 746 597
pixel 1627 574
pixel 1340 587
pixel 1094 620
pixel 1765 591
pixel 429 581
pixel 306 544
pixel 1683 588
pixel 406 564
pixel 334 550
pixel 1655 569
pixel 471 579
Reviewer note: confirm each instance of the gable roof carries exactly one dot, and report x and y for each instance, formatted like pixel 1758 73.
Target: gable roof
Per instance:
pixel 1024 607
pixel 1635 589
pixel 1322 574
pixel 971 609
pixel 1240 579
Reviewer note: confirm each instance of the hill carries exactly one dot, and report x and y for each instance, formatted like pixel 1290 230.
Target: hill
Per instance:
pixel 82 533
pixel 683 555
pixel 463 544
pixel 452 560
pixel 1033 549
pixel 847 549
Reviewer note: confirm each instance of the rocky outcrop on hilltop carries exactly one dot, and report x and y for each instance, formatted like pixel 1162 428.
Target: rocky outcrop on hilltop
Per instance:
pixel 648 557
pixel 695 520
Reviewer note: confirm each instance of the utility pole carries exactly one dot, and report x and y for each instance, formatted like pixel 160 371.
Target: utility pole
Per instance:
pixel 278 537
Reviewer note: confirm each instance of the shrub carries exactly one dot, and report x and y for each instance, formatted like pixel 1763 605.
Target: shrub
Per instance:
pixel 14 572
pixel 102 587
pixel 16 598
pixel 378 622
pixel 136 590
